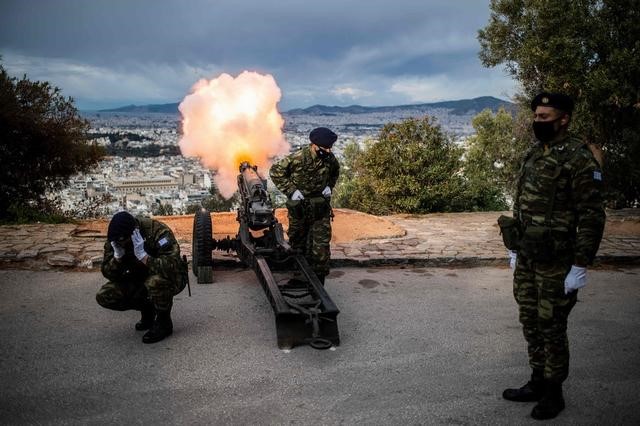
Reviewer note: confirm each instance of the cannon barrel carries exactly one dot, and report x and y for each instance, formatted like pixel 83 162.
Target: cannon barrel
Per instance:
pixel 257 209
pixel 304 312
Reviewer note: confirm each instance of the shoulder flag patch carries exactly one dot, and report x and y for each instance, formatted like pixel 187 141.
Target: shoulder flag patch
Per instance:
pixel 163 241
pixel 597 175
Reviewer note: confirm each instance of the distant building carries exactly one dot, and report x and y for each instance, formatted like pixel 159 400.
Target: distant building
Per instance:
pixel 186 179
pixel 197 196
pixel 143 185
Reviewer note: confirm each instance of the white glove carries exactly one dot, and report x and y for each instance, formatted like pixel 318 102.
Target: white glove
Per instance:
pixel 118 252
pixel 513 255
pixel 326 192
pixel 297 195
pixel 577 278
pixel 138 244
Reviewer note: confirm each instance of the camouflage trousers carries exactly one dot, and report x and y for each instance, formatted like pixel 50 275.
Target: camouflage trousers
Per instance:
pixel 134 294
pixel 312 237
pixel 543 310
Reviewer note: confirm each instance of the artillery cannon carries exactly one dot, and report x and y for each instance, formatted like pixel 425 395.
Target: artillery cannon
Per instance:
pixel 304 312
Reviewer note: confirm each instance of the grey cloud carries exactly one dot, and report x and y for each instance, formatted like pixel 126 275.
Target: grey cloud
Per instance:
pixel 313 48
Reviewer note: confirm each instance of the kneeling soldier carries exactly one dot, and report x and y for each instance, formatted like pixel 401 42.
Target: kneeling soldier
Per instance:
pixel 143 265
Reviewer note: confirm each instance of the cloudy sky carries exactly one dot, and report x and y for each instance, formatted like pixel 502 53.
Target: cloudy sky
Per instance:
pixel 107 53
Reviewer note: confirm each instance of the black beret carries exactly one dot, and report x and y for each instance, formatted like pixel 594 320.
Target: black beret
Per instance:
pixel 121 226
pixel 556 100
pixel 323 137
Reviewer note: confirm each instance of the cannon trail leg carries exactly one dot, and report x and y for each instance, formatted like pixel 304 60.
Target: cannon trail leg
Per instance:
pixel 297 323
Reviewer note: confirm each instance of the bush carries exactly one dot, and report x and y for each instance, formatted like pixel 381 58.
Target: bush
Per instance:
pixel 45 211
pixel 414 167
pixel 492 160
pixel 215 202
pixel 344 189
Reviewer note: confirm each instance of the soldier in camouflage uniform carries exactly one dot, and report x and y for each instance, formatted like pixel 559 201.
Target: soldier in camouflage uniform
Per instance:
pixel 307 177
pixel 143 265
pixel 560 216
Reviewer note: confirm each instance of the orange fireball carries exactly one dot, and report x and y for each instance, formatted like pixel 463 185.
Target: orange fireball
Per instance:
pixel 227 120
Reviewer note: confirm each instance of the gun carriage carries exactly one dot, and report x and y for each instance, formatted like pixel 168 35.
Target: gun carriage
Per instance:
pixel 304 312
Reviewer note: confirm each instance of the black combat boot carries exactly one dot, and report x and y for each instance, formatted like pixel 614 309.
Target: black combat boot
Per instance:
pixel 551 403
pixel 148 314
pixel 161 328
pixel 532 391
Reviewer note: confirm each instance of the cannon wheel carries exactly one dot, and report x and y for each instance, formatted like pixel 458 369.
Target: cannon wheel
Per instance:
pixel 202 246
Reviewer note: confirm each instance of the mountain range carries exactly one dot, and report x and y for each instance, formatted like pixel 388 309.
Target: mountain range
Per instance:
pixel 458 107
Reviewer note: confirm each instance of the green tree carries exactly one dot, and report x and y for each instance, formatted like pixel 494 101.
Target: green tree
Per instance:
pixel 414 168
pixel 589 49
pixel 43 141
pixel 343 192
pixel 493 154
pixel 163 210
pixel 90 207
pixel 192 208
pixel 217 203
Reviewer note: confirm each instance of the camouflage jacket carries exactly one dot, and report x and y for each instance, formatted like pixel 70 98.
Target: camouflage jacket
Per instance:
pixel 162 248
pixel 560 186
pixel 304 171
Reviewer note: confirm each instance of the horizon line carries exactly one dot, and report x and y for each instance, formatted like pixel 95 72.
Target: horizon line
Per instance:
pixel 310 106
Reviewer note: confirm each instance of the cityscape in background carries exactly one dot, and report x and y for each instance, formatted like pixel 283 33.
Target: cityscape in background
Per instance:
pixel 145 173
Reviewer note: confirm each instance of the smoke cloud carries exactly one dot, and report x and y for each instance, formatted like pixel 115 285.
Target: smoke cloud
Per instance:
pixel 228 120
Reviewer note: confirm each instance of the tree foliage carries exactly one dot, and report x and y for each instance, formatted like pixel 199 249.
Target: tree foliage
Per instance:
pixel 414 167
pixel 346 184
pixel 217 203
pixel 90 207
pixel 161 209
pixel 42 142
pixel 494 152
pixel 589 49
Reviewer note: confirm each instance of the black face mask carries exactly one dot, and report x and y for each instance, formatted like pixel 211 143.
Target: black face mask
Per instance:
pixel 544 130
pixel 322 154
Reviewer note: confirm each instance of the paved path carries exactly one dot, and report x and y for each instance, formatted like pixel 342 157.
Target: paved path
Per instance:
pixel 460 239
pixel 471 239
pixel 419 346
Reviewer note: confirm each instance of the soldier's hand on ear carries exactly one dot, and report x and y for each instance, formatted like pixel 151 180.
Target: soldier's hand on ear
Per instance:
pixel 297 195
pixel 138 245
pixel 576 278
pixel 118 252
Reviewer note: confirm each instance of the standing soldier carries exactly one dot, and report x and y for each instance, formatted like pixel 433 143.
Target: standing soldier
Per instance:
pixel 557 227
pixel 143 265
pixel 308 177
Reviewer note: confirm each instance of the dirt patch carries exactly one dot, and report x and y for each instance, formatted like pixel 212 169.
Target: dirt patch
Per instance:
pixel 348 226
pixel 629 226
